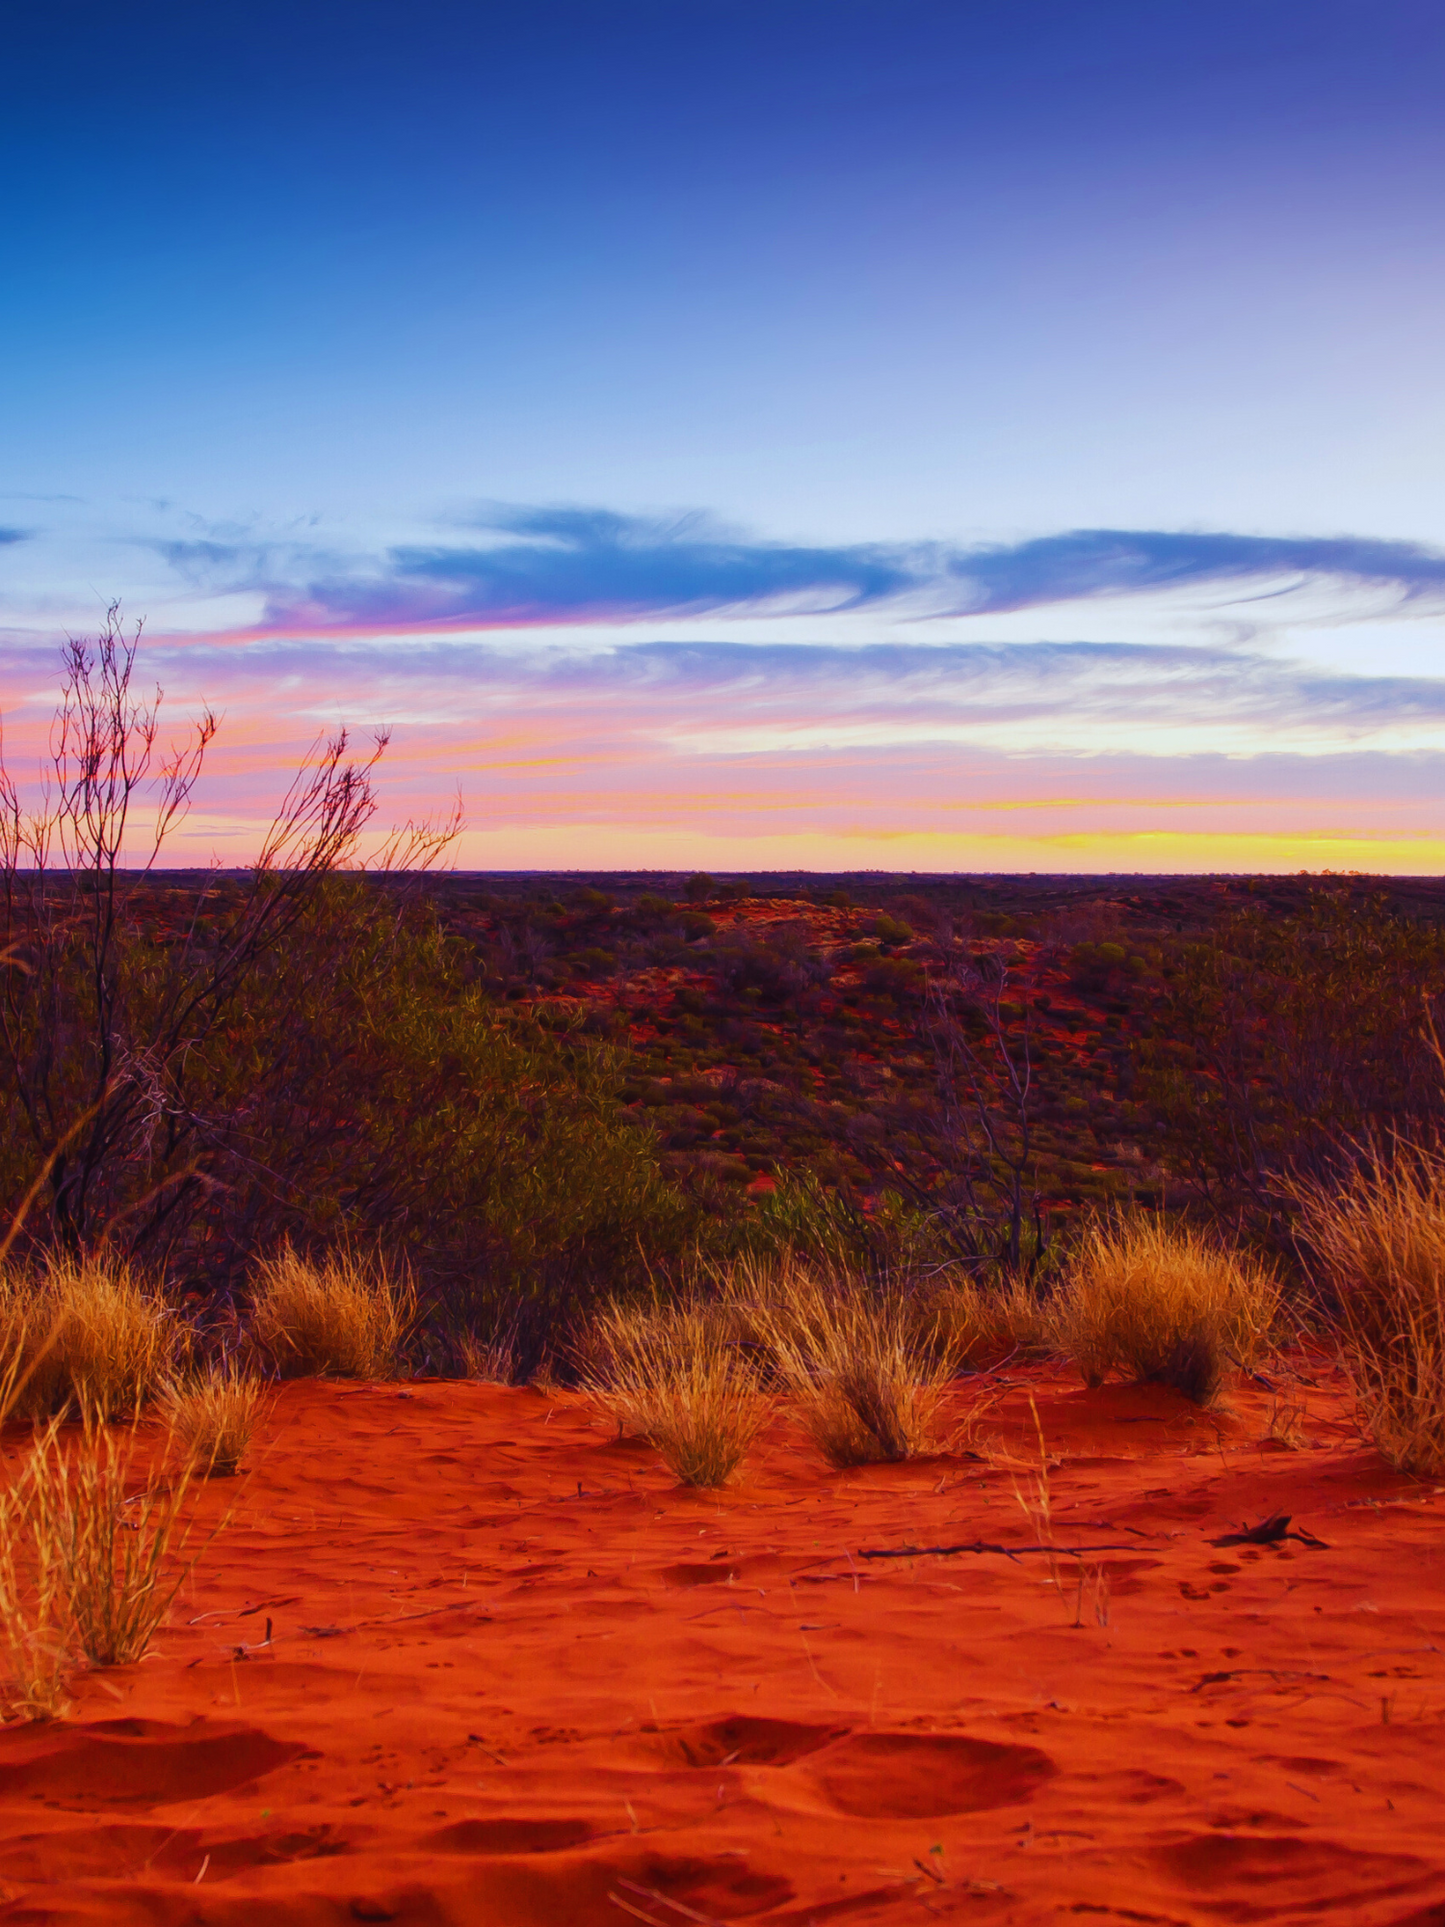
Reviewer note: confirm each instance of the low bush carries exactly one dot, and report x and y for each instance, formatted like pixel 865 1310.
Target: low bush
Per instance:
pixel 341 1316
pixel 1163 1304
pixel 212 1420
pixel 1379 1243
pixel 677 1376
pixel 83 1335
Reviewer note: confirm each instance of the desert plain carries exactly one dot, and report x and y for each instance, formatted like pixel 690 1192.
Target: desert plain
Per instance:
pixel 458 1653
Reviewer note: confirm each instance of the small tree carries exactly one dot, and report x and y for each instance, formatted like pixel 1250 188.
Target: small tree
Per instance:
pixel 103 1013
pixel 985 1198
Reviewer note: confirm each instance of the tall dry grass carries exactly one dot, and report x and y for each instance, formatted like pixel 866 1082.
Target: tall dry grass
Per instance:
pixel 344 1316
pixel 1164 1304
pixel 118 1554
pixel 676 1376
pixel 977 1325
pixel 83 1335
pixel 35 1655
pixel 1380 1245
pixel 212 1419
pixel 867 1384
pixel 34 1659
pixel 88 1567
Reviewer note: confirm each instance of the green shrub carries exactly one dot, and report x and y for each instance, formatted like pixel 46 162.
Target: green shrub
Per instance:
pixel 892 930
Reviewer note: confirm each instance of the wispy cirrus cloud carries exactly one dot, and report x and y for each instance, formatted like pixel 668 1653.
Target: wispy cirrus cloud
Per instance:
pixel 949 754
pixel 540 566
pixel 722 699
pixel 1100 562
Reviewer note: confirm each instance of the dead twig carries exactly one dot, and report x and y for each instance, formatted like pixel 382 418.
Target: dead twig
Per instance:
pixel 1270 1532
pixel 1246 1672
pixel 981 1545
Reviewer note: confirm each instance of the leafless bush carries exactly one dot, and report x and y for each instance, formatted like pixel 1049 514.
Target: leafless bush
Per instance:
pixel 105 1032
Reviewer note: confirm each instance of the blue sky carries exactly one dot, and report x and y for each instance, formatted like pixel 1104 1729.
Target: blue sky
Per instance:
pixel 456 363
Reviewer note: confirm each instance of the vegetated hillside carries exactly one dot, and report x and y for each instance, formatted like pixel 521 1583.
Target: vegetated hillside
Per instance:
pixel 976 1054
pixel 776 1024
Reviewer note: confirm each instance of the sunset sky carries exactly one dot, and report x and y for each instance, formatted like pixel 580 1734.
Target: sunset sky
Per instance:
pixel 900 435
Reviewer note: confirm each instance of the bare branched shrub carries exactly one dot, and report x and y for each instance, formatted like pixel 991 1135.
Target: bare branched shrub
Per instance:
pixel 83 1335
pixel 866 1385
pixel 1380 1245
pixel 116 1113
pixel 212 1419
pixel 343 1316
pixel 1163 1304
pixel 676 1376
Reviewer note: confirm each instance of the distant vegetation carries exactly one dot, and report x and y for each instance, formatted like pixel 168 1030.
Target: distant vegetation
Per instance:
pixel 315 1117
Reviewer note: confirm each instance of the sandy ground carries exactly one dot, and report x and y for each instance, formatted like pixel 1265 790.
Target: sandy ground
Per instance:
pixel 514 1675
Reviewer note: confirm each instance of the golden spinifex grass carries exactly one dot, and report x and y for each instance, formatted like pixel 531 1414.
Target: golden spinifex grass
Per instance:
pixel 491 1361
pixel 83 1335
pixel 865 1382
pixel 342 1315
pixel 212 1419
pixel 676 1376
pixel 118 1553
pixel 35 1655
pixel 1379 1242
pixel 91 1557
pixel 1165 1304
pixel 34 1659
pixel 981 1324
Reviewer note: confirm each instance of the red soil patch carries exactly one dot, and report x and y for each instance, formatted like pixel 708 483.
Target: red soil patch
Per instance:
pixel 516 1676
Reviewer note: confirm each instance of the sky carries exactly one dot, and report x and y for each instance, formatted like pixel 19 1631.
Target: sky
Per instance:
pixel 877 434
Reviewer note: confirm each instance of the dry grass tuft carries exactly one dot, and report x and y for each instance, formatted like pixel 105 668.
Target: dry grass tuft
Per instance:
pixel 35 1664
pixel 1284 1425
pixel 212 1420
pixel 676 1376
pixel 977 1326
pixel 1163 1305
pixel 867 1385
pixel 1380 1242
pixel 88 1570
pixel 82 1335
pixel 489 1361
pixel 344 1316
pixel 117 1555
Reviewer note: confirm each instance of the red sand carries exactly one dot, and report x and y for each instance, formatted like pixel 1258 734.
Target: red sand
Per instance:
pixel 516 1676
